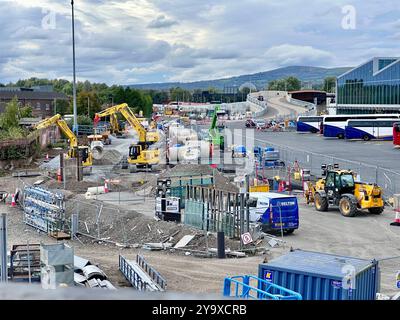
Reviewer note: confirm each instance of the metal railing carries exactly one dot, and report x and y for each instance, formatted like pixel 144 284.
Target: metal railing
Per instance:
pixel 386 178
pixel 157 278
pixel 131 275
pixel 240 287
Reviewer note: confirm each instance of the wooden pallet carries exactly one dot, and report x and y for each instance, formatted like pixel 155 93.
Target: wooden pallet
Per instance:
pixel 59 235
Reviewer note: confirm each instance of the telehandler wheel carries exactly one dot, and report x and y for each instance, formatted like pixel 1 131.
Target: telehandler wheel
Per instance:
pixel 376 210
pixel 321 203
pixel 347 207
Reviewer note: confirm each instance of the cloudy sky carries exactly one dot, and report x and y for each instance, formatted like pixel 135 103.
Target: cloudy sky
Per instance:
pixel 140 41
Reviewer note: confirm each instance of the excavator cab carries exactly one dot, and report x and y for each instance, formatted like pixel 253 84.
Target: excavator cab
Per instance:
pixel 135 151
pixel 83 153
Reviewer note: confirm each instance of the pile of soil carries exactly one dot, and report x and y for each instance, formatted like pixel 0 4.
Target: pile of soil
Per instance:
pixel 71 185
pixel 109 157
pixel 133 228
pixel 221 182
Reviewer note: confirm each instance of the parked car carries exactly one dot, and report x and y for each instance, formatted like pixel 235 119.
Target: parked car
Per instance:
pixel 260 124
pixel 250 123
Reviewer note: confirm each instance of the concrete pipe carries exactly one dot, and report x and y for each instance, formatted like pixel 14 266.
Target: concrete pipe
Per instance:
pixel 97 149
pixel 203 146
pixel 188 154
pixel 173 154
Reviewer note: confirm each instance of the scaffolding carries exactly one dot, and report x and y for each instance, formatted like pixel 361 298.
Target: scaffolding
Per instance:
pixel 44 210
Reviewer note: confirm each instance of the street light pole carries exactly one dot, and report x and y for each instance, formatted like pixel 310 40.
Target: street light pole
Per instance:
pixel 75 126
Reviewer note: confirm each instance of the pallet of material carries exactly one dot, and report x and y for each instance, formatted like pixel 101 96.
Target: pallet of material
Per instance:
pixel 59 235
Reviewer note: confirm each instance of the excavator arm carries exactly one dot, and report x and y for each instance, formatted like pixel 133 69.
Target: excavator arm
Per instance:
pixel 114 123
pixel 128 115
pixel 214 118
pixel 57 120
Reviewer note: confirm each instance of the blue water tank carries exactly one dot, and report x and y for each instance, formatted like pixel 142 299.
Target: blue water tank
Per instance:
pixel 321 276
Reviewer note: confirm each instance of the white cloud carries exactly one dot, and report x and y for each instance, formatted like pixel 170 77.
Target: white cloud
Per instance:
pixel 286 55
pixel 124 41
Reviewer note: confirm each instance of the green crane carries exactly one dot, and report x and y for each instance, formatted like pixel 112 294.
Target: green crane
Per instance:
pixel 215 136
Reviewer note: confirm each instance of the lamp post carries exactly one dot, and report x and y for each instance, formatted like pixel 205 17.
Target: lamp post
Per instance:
pixel 75 126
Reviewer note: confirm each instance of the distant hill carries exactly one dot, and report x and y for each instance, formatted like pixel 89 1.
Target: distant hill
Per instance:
pixel 313 75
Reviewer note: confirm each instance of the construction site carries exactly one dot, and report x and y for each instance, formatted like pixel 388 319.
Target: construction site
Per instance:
pixel 199 150
pixel 182 207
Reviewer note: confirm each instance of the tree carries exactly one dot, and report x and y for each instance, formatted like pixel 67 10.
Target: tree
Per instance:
pixel 287 84
pixel 63 107
pixel 87 103
pixel 25 112
pixel 10 117
pixel 329 84
pixel 292 84
pixel 147 105
pixel 179 94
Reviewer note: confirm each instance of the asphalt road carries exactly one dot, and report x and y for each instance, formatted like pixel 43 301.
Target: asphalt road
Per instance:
pixel 374 153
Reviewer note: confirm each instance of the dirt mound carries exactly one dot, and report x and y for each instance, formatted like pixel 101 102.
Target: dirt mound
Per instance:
pixel 133 228
pixel 71 185
pixel 109 157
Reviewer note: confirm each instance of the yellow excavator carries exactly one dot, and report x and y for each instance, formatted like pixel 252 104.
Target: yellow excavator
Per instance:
pixel 85 153
pixel 140 157
pixel 338 188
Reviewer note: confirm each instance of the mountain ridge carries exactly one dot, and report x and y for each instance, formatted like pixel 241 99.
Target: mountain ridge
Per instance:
pixel 314 75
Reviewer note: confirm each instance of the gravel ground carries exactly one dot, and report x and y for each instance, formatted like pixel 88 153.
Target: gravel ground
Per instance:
pixel 365 236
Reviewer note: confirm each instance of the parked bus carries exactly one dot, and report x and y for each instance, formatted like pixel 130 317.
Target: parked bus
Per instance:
pixel 334 126
pixel 370 129
pixel 309 124
pixel 396 134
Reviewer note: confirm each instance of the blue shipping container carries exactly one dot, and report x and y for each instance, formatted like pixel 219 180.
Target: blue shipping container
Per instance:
pixel 320 276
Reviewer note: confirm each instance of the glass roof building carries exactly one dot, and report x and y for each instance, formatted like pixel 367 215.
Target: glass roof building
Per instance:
pixel 373 87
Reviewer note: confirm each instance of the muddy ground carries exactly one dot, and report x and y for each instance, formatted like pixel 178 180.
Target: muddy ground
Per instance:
pixel 364 236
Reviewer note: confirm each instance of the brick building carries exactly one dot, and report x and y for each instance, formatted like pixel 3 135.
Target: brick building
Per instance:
pixel 43 103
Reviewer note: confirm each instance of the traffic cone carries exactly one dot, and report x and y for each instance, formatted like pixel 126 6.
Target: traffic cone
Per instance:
pixel 59 178
pixel 13 204
pixel 106 186
pixel 396 220
pixel 280 186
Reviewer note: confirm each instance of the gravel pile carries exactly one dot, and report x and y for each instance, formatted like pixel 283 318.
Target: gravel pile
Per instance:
pixel 109 157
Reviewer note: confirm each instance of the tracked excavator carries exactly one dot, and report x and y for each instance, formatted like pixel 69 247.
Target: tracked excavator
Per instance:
pixel 85 154
pixel 140 156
